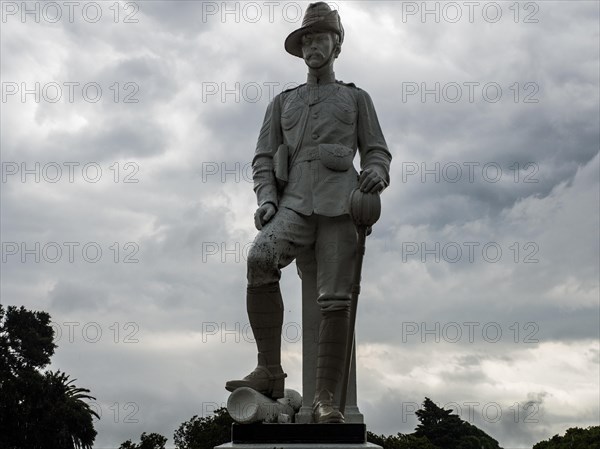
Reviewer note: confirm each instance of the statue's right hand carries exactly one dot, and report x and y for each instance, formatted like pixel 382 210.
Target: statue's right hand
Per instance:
pixel 263 214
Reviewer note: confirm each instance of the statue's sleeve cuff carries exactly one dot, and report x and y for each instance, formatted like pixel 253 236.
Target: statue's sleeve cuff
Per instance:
pixel 267 202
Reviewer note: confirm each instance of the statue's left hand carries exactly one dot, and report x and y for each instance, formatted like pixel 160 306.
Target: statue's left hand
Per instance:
pixel 263 214
pixel 370 182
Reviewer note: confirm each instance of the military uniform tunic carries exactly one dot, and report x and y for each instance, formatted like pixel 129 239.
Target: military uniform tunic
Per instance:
pixel 323 125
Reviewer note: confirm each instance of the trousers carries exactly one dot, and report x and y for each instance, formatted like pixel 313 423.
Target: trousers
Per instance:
pixel 288 234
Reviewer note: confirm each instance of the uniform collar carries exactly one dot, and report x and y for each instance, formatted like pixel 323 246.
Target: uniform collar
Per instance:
pixel 325 79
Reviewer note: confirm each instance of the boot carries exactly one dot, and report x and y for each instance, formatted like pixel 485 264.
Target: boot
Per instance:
pixel 330 364
pixel 265 312
pixel 323 410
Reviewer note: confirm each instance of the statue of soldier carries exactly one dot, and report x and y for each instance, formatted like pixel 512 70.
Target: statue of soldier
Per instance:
pixel 303 176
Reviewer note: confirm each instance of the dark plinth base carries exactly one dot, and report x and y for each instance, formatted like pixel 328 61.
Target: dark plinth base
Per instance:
pixel 298 446
pixel 299 433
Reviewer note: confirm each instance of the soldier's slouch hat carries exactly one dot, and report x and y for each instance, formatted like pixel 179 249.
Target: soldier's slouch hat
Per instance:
pixel 319 17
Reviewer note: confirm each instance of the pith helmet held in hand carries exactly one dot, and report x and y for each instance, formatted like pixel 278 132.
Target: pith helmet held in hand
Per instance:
pixel 319 17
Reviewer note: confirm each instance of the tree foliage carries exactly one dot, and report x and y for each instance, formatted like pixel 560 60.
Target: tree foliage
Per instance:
pixel 39 410
pixel 574 438
pixel 447 431
pixel 438 429
pixel 204 433
pixel 26 341
pixel 400 441
pixel 147 441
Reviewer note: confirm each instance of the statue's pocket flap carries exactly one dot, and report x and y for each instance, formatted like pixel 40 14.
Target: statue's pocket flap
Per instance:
pixel 336 156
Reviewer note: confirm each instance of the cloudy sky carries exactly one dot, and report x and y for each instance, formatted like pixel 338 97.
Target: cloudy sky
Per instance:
pixel 127 132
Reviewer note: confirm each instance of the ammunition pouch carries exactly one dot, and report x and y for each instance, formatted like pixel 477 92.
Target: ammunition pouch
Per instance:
pixel 336 156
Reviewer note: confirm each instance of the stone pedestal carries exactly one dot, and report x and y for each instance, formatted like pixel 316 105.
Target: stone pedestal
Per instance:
pixel 298 446
pixel 299 433
pixel 311 319
pixel 299 436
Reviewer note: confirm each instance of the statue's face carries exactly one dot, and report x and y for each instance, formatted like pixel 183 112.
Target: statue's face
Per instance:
pixel 316 48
